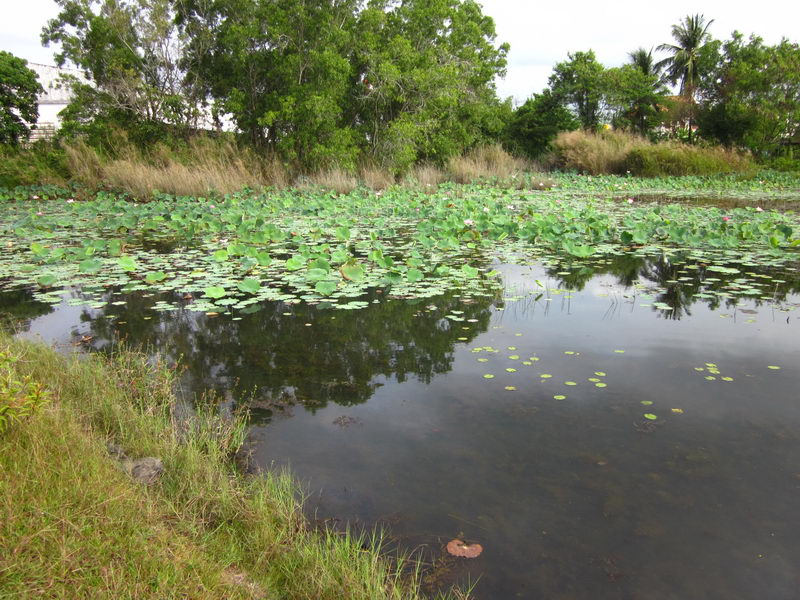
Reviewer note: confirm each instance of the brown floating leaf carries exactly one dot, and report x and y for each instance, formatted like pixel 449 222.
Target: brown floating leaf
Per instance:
pixel 459 548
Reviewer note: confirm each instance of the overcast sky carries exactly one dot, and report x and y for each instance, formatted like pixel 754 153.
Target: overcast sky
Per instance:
pixel 540 33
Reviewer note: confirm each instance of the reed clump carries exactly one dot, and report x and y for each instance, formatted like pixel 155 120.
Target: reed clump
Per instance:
pixel 338 180
pixel 203 167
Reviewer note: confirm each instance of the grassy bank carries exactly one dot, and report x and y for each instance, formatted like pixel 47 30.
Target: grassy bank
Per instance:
pixel 74 525
pixel 205 166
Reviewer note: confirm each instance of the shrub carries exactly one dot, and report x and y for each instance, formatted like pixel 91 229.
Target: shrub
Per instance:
pixel 786 164
pixel 595 153
pixel 43 162
pixel 658 160
pixel 19 396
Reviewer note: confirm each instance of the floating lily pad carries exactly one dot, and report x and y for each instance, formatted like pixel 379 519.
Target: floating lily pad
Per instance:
pixel 155 277
pixel 46 280
pixel 325 288
pixel 249 285
pixel 215 292
pixel 352 271
pixel 462 549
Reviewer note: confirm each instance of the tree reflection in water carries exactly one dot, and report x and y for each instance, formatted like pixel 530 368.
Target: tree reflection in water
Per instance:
pixel 298 353
pixel 676 281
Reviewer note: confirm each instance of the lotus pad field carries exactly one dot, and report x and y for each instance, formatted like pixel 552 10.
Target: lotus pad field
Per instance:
pixel 226 254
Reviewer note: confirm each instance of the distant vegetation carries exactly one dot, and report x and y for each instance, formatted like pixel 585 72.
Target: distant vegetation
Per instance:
pixel 387 92
pixel 621 153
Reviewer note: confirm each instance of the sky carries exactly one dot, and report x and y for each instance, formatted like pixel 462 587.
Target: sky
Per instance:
pixel 540 33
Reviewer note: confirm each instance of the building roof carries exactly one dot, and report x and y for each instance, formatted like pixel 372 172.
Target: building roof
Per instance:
pixel 54 92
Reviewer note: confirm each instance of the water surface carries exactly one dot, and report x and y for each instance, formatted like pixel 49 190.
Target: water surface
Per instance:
pixel 387 417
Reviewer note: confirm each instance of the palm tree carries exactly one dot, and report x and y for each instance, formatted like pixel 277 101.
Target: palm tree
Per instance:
pixel 690 35
pixel 646 106
pixel 643 60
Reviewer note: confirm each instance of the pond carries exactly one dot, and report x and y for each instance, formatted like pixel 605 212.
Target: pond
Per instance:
pixel 622 427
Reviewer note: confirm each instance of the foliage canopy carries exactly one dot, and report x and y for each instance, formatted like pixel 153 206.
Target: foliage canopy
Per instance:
pixel 19 89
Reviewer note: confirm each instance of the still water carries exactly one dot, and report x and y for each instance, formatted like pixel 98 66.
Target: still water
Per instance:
pixel 387 416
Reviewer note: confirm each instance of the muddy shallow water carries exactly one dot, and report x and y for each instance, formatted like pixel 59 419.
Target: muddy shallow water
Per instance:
pixel 387 417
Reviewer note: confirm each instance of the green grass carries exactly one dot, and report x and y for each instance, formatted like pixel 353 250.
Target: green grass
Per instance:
pixel 73 525
pixel 663 159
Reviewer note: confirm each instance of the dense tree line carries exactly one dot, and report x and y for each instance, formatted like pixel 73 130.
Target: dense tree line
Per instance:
pixel 317 82
pixel 323 83
pixel 740 93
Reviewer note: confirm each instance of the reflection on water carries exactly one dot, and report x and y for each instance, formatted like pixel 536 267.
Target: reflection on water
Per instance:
pixel 579 498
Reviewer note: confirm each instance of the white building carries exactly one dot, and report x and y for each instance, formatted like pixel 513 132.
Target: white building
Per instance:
pixel 56 96
pixel 53 100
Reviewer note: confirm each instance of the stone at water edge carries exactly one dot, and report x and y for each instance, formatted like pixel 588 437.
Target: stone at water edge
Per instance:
pixel 145 470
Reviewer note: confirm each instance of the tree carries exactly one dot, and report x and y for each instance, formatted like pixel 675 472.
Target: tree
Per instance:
pixel 133 59
pixel 321 82
pixel 427 73
pixel 753 94
pixel 579 83
pixel 537 122
pixel 19 91
pixel 686 62
pixel 281 68
pixel 635 93
pixel 643 60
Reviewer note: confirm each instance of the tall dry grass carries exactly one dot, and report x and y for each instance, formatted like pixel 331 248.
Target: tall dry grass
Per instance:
pixel 619 152
pixel 335 180
pixel 376 178
pixel 595 153
pixel 205 166
pixel 426 177
pixel 490 162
